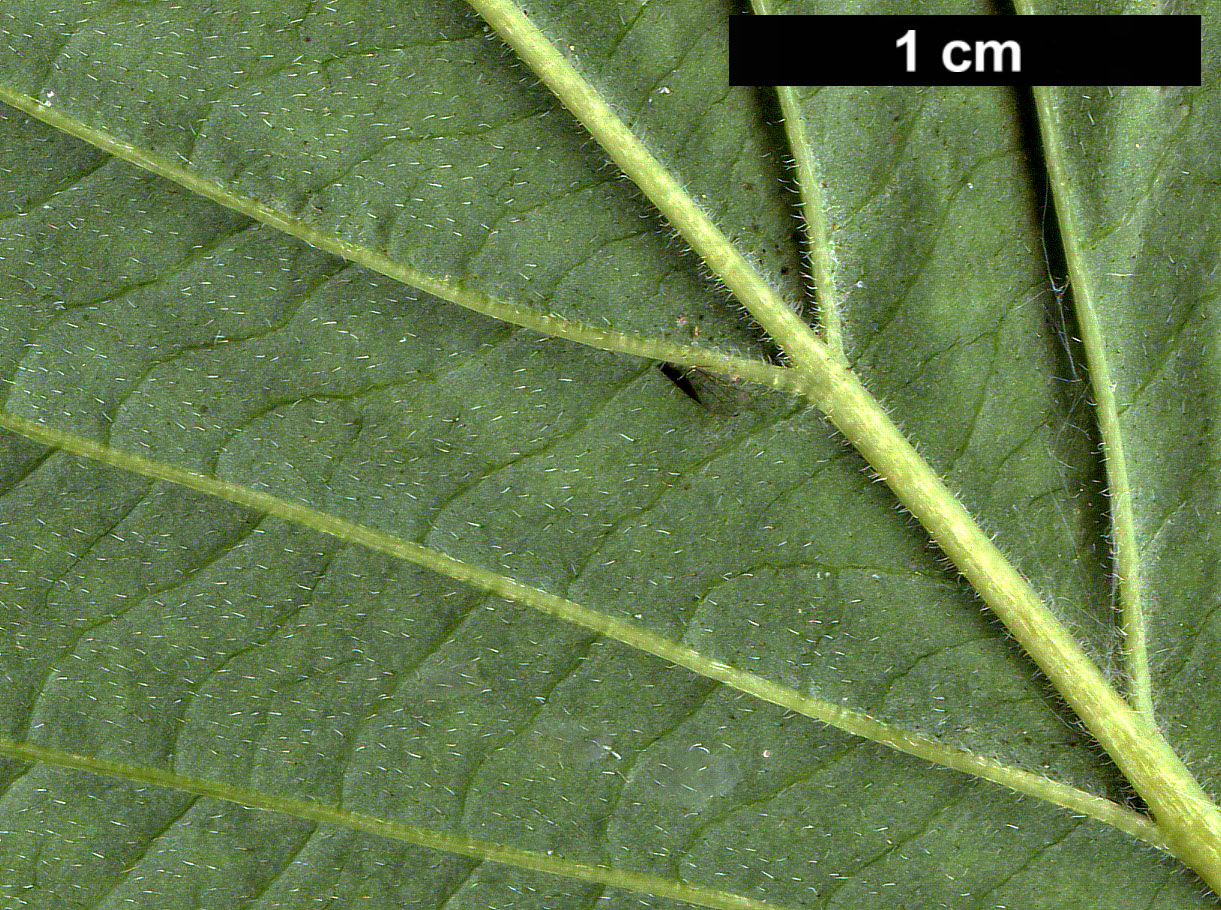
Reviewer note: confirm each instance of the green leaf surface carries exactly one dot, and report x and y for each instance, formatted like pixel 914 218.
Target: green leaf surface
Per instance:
pixel 355 550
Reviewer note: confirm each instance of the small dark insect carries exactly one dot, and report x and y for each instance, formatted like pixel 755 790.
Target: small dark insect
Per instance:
pixel 679 377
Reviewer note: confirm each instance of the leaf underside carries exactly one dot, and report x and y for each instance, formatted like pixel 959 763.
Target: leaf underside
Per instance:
pixel 149 626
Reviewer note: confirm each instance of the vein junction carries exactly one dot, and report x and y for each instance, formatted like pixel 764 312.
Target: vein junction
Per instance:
pixel 1187 815
pixel 851 721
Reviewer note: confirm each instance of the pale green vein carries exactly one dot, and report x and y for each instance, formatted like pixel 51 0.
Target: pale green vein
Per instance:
pixel 487 851
pixel 813 215
pixel 785 327
pixel 1123 531
pixel 1185 812
pixel 850 721
pixel 445 287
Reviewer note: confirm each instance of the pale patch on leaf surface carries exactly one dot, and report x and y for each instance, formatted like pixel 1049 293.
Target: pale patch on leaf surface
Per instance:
pixel 187 679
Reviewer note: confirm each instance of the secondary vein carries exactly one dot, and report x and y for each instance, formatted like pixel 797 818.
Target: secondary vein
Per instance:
pixel 855 722
pixel 813 216
pixel 444 287
pixel 1123 530
pixel 489 851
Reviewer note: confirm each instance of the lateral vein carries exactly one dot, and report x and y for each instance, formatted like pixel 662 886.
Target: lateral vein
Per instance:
pixel 813 215
pixel 444 287
pixel 850 721
pixel 488 851
pixel 1123 531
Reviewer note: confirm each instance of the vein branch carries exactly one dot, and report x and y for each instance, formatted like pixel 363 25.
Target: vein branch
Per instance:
pixel 488 851
pixel 1187 814
pixel 850 721
pixel 813 214
pixel 753 291
pixel 444 287
pixel 1123 530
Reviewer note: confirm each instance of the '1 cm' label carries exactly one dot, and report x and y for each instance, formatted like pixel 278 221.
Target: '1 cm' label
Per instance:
pixel 959 56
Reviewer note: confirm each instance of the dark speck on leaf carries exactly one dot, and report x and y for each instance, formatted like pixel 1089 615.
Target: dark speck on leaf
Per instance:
pixel 678 376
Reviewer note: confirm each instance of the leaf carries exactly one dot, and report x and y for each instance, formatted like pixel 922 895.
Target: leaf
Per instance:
pixel 404 578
